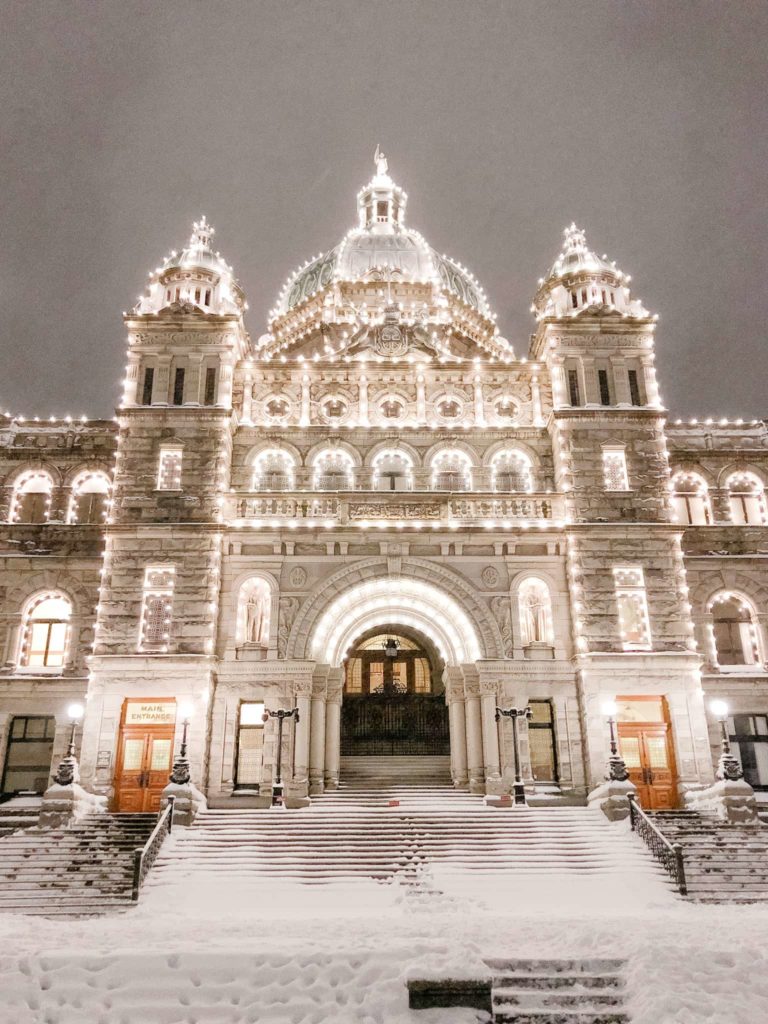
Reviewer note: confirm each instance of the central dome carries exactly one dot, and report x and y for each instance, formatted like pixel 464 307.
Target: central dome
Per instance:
pixel 381 248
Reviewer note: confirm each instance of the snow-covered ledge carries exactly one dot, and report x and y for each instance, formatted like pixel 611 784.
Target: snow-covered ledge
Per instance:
pixel 189 801
pixel 731 800
pixel 612 798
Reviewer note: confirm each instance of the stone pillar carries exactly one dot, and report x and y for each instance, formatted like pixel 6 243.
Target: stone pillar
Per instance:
pixel 651 387
pixel 305 415
pixel 192 382
pixel 247 410
pixel 421 399
pixel 131 383
pixel 161 382
pixel 491 767
pixel 317 738
pixel 333 729
pixel 362 401
pixel 301 734
pixel 538 416
pixel 479 402
pixel 226 381
pixel 620 381
pixel 458 726
pixel 474 736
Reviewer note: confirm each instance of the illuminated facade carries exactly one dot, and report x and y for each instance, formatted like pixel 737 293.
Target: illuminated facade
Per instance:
pixel 381 514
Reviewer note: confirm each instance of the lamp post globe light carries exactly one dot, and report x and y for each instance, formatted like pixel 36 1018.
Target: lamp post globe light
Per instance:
pixel 281 715
pixel 68 772
pixel 728 767
pixel 617 769
pixel 181 773
pixel 515 713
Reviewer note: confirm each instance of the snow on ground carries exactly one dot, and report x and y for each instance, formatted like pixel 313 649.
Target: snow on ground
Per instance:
pixel 228 953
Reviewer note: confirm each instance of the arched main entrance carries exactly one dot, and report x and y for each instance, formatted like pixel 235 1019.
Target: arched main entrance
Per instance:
pixel 393 696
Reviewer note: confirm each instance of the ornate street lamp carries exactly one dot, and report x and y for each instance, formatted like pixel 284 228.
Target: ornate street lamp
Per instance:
pixel 617 769
pixel 181 774
pixel 281 714
pixel 728 766
pixel 514 714
pixel 68 772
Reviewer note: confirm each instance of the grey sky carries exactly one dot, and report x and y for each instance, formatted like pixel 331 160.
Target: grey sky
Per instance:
pixel 122 121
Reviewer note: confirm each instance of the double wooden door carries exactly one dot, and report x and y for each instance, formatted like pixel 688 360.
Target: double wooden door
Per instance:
pixel 143 767
pixel 649 757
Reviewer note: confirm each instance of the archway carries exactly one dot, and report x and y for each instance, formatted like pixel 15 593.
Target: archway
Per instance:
pixel 393 696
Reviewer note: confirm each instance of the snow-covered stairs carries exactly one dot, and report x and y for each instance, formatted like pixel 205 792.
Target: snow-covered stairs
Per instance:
pixel 724 863
pixel 557 991
pixel 435 837
pixel 15 815
pixel 83 869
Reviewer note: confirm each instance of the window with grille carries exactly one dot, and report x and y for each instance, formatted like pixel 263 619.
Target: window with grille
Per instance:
pixel 157 607
pixel 541 741
pixel 169 469
pixel 734 631
pixel 46 631
pixel 573 387
pixel 749 742
pixel 149 380
pixel 615 476
pixel 605 391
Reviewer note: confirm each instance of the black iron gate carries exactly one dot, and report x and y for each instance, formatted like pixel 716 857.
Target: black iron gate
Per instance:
pixel 394 723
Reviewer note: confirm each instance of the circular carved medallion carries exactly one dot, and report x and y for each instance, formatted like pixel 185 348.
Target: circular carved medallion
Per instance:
pixel 298 576
pixel 490 576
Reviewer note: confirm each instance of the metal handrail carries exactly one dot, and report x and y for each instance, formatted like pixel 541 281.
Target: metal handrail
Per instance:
pixel 669 855
pixel 144 857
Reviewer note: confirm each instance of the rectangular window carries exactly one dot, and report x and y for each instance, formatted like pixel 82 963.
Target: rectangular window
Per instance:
pixel 573 387
pixel 210 386
pixel 634 388
pixel 615 476
pixel 157 607
pixel 149 380
pixel 178 386
pixel 632 604
pixel 749 740
pixel 169 469
pixel 250 745
pixel 541 741
pixel 605 391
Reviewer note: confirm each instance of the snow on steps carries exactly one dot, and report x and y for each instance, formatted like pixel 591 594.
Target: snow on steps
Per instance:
pixel 557 991
pixel 724 863
pixel 437 838
pixel 83 869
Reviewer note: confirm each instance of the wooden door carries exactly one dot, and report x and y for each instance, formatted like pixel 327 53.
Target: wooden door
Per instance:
pixel 648 755
pixel 143 767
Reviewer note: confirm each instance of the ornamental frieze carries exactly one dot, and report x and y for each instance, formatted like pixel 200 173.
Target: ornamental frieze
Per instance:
pixel 401 510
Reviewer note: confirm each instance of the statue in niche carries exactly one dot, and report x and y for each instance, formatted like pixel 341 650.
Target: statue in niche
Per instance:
pixel 256 626
pixel 535 615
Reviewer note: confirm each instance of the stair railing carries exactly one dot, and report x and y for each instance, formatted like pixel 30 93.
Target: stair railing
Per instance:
pixel 669 855
pixel 144 857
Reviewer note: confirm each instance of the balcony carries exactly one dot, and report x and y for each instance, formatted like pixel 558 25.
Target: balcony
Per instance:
pixel 386 508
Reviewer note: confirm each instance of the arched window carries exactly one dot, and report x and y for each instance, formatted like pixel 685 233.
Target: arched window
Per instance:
pixel 332 470
pixel 511 471
pixel 735 637
pixel 451 471
pixel 45 631
pixel 90 497
pixel 253 608
pixel 690 500
pixel 535 607
pixel 747 499
pixel 273 470
pixel 31 500
pixel 392 471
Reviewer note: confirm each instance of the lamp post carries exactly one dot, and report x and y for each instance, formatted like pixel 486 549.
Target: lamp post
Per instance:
pixel 181 773
pixel 617 769
pixel 728 766
pixel 514 714
pixel 281 714
pixel 68 772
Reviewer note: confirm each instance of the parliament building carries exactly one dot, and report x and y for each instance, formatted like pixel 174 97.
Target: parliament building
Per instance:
pixel 381 512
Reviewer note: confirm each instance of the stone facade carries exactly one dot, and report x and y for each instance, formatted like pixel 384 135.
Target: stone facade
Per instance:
pixel 381 457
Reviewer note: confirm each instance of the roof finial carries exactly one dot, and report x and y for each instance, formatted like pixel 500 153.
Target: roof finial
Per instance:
pixel 202 233
pixel 380 160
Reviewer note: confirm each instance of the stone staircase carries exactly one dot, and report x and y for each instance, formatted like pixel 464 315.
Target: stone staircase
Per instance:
pixel 18 814
pixel 724 863
pixel 557 992
pixel 81 870
pixel 427 836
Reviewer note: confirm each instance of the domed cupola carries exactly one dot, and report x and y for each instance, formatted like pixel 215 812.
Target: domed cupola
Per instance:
pixel 195 280
pixel 381 263
pixel 581 283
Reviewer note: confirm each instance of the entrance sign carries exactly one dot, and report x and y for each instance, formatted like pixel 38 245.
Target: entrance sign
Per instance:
pixel 150 713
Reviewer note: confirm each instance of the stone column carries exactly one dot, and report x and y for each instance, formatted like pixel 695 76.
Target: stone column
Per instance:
pixel 305 416
pixel 362 400
pixel 649 376
pixel 303 692
pixel 193 382
pixel 247 410
pixel 333 729
pixel 421 398
pixel 620 381
pixel 317 737
pixel 457 722
pixel 226 381
pixel 131 383
pixel 474 734
pixel 538 417
pixel 161 383
pixel 479 402
pixel 488 701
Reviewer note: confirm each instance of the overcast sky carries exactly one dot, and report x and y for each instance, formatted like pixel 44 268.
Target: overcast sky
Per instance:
pixel 122 121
